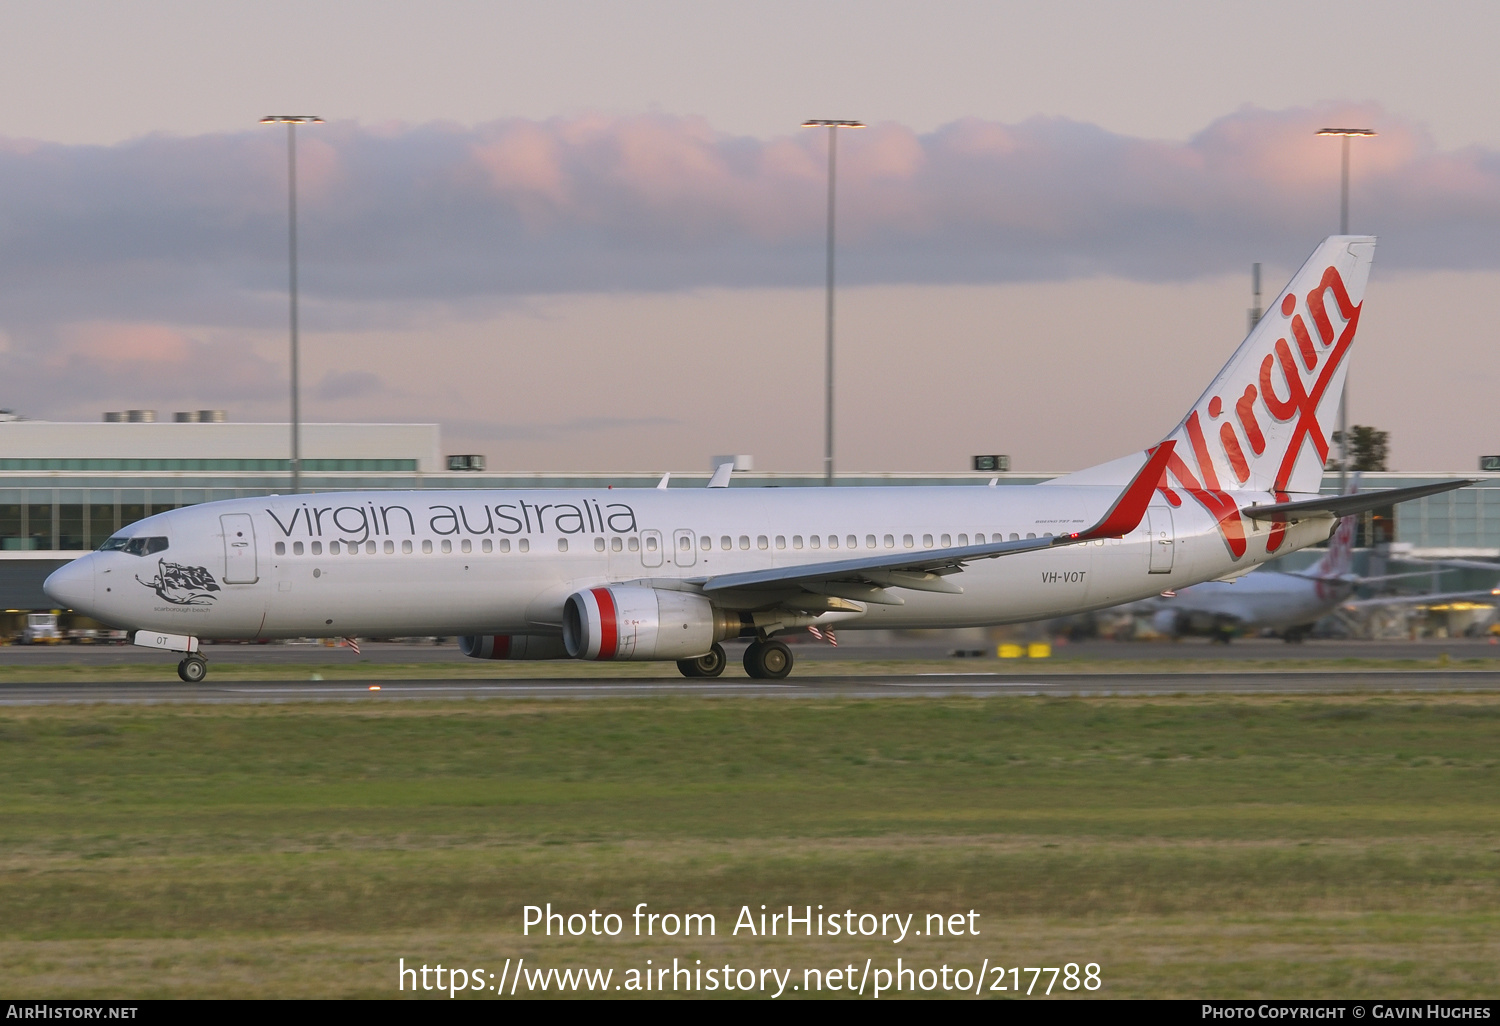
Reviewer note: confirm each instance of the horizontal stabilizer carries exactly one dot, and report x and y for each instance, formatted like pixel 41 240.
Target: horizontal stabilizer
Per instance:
pixel 1347 505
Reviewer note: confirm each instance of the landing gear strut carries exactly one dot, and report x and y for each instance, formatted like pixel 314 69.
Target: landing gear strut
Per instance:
pixel 710 665
pixel 768 660
pixel 193 669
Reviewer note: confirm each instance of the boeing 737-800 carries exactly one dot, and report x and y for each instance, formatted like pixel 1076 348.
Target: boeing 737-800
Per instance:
pixel 656 574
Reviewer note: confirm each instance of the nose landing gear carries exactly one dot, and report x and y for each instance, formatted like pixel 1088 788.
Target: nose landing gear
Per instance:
pixel 193 669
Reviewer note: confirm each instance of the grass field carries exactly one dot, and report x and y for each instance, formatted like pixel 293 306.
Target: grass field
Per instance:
pixel 347 666
pixel 1242 846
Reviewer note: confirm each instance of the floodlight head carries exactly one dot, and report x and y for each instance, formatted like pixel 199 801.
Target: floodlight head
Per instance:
pixel 291 119
pixel 831 123
pixel 1347 131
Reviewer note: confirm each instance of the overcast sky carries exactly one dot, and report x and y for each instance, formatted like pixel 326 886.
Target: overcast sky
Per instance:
pixel 589 235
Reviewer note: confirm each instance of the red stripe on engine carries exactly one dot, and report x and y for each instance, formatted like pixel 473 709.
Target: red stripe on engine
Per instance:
pixel 502 647
pixel 609 628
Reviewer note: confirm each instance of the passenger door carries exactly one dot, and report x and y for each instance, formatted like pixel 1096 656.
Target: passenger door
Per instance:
pixel 239 549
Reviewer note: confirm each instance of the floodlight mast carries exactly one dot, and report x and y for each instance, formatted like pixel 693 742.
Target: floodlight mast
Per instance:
pixel 1345 134
pixel 833 125
pixel 291 121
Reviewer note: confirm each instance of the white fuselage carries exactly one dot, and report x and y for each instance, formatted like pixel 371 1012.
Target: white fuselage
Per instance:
pixel 475 562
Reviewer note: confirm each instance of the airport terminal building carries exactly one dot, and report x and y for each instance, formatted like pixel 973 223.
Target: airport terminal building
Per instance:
pixel 66 487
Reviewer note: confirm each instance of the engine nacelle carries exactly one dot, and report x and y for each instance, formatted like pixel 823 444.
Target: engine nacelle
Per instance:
pixel 512 646
pixel 630 622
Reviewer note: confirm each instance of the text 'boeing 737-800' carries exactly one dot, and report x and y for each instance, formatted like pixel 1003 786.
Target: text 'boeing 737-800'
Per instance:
pixel 656 574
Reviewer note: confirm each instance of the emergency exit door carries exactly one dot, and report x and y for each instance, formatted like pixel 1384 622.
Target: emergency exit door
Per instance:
pixel 239 549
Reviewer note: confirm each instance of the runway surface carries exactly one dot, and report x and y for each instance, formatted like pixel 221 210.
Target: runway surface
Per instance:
pixel 872 686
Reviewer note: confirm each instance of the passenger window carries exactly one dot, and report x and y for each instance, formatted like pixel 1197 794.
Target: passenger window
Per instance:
pixel 947 540
pixel 634 544
pixel 562 545
pixel 906 540
pixel 833 541
pixel 796 541
pixel 812 541
pixel 1014 536
pixel 781 541
pixel 504 544
pixel 317 548
pixel 762 542
pixel 926 541
pixel 466 545
pixel 890 541
pixel 963 539
pixel 615 544
pixel 370 548
pixel 406 546
pixel 705 543
pixel 489 546
pixel 979 538
pixel 598 544
pixel 650 543
pixel 744 541
pixel 281 547
pixel 869 541
pixel 685 543
pixel 447 545
pixel 726 543
pixel 524 545
pixel 333 548
pixel 390 547
pixel 1030 534
pixel 852 542
pixel 427 546
pixel 296 548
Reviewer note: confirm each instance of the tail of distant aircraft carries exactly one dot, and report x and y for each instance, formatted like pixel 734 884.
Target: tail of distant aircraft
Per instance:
pixel 1338 561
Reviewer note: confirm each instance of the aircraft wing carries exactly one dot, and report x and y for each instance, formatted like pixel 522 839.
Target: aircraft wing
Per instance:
pixel 1346 505
pixel 1433 599
pixel 925 570
pixel 1454 564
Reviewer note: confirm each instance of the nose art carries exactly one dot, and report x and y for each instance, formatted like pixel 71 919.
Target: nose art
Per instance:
pixel 72 585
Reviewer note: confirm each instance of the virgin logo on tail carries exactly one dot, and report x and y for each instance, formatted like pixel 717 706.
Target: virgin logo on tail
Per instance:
pixel 1261 421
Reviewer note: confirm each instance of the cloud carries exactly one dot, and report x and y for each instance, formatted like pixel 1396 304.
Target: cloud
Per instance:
pixel 184 229
pixel 107 252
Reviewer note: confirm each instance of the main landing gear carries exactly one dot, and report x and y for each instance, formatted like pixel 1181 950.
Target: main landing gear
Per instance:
pixel 193 669
pixel 768 660
pixel 710 665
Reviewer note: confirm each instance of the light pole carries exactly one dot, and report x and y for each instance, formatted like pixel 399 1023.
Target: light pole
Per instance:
pixel 291 121
pixel 1345 134
pixel 833 127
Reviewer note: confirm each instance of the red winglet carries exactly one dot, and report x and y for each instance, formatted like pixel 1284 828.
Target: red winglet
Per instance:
pixel 1125 515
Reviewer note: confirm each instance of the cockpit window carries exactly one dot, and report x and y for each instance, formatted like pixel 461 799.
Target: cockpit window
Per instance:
pixel 137 546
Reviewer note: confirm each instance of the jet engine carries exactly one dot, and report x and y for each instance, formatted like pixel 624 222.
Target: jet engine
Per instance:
pixel 631 622
pixel 512 646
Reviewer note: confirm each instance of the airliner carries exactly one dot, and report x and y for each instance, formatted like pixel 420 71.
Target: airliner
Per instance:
pixel 668 574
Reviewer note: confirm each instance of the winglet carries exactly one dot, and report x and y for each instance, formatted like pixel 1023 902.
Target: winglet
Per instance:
pixel 721 475
pixel 1125 515
pixel 662 484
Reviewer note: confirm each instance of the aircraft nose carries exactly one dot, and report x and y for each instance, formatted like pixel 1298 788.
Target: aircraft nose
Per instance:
pixel 72 586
